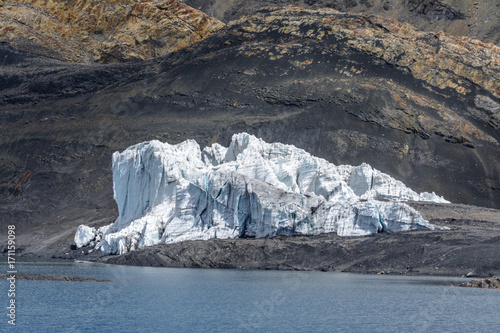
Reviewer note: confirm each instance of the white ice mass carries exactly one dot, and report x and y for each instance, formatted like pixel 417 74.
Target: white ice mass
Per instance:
pixel 171 193
pixel 84 235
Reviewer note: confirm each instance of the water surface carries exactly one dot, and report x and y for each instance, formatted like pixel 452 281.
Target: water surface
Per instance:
pixel 210 300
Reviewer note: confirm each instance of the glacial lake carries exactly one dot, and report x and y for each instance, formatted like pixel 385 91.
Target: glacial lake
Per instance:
pixel 147 299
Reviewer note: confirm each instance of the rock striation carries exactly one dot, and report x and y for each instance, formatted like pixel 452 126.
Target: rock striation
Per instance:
pixel 88 31
pixel 171 193
pixel 469 18
pixel 441 60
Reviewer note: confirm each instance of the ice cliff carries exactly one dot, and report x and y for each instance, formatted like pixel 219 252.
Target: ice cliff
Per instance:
pixel 171 193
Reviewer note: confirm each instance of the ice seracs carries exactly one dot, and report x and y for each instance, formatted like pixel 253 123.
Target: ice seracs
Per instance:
pixel 171 193
pixel 84 235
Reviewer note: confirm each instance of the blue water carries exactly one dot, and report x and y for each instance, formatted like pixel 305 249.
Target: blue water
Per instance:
pixel 209 300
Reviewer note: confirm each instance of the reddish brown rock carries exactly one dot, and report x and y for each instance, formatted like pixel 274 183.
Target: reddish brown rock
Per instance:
pixel 103 31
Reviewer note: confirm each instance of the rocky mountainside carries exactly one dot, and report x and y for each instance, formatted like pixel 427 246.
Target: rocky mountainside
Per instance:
pixel 88 31
pixel 350 88
pixel 478 19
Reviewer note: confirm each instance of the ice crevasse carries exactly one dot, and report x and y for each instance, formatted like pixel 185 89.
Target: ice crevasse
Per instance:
pixel 170 193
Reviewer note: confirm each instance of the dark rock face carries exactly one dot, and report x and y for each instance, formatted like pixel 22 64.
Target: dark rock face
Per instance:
pixel 435 10
pixel 349 88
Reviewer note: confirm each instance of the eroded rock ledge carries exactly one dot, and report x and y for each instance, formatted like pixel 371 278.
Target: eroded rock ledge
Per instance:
pixel 85 31
pixel 471 18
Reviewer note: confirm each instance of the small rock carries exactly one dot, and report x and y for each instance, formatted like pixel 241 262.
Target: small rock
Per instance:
pixel 252 71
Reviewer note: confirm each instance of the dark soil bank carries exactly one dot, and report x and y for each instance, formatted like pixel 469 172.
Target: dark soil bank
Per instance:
pixel 470 248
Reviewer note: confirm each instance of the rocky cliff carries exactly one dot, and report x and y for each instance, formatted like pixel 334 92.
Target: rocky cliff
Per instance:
pixel 89 31
pixel 350 88
pixel 477 19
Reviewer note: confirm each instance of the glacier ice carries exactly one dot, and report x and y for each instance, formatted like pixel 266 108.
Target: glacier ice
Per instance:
pixel 84 235
pixel 171 193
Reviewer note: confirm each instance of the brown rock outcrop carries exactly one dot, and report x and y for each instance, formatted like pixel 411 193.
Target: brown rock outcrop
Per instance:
pixel 447 66
pixel 441 60
pixel 103 31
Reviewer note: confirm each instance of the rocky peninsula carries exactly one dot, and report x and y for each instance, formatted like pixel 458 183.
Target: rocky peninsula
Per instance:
pixel 489 283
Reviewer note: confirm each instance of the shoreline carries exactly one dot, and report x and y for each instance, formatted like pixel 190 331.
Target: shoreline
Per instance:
pixel 482 282
pixel 108 260
pixel 378 254
pixel 491 282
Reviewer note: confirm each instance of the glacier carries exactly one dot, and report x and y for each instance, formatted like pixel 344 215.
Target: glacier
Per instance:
pixel 171 193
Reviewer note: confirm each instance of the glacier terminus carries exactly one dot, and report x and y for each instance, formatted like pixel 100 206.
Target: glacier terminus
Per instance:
pixel 171 193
